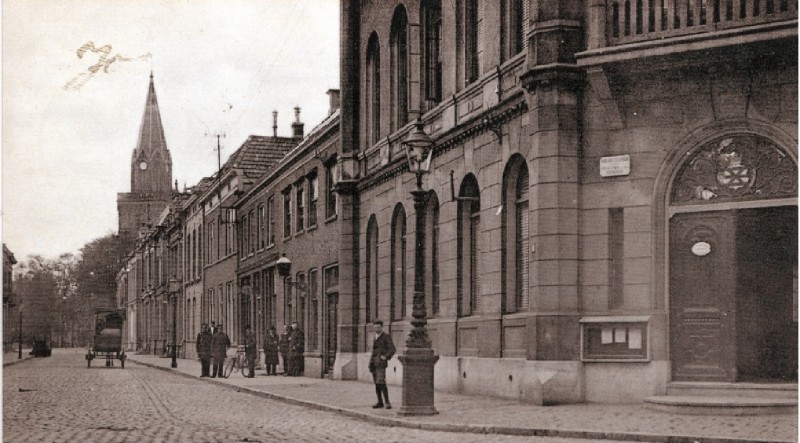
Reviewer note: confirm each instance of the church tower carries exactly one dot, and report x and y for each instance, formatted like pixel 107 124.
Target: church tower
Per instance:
pixel 151 173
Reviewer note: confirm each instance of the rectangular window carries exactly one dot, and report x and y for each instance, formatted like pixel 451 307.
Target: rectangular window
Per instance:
pixel 313 196
pixel 245 235
pixel 433 58
pixel 330 174
pixel 251 240
pixel 300 201
pixel 271 225
pixel 473 39
pixel 262 226
pixel 313 313
pixel 271 297
pixel 616 235
pixel 287 213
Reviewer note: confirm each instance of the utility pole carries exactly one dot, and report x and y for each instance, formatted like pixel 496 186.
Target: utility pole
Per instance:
pixel 218 135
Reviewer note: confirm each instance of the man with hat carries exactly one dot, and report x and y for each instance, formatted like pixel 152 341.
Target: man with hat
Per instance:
pixel 204 350
pixel 219 350
pixel 251 350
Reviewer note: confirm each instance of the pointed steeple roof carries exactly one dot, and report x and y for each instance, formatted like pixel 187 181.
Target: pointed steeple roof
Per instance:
pixel 152 142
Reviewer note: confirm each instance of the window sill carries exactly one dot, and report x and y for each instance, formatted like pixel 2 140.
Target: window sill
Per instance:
pixel 298 233
pixel 311 228
pixel 332 218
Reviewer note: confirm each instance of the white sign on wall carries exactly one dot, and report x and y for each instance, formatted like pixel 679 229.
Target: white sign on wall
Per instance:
pixel 615 165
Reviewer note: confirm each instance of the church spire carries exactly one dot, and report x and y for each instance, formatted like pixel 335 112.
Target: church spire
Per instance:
pixel 151 163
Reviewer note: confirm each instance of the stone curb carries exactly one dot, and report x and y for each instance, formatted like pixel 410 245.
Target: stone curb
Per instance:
pixel 472 429
pixel 13 362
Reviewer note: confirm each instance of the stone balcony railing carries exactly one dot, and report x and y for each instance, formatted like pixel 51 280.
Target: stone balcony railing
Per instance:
pixel 619 22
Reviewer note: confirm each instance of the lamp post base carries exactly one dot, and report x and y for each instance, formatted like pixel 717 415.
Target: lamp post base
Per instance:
pixel 418 382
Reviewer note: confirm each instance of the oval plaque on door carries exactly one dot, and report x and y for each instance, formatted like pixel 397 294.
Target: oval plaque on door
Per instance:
pixel 701 248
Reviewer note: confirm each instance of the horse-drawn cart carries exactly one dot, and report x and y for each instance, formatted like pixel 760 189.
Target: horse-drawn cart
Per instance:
pixel 107 340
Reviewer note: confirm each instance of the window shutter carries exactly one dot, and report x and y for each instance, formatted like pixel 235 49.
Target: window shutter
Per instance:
pixel 474 268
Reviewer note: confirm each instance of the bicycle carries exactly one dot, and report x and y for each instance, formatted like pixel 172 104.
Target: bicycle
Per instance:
pixel 238 363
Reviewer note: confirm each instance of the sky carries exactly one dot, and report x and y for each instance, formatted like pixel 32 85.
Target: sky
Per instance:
pixel 220 66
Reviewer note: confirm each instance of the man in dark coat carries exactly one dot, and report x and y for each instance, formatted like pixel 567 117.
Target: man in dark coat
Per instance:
pixel 297 345
pixel 271 350
pixel 204 350
pixel 283 344
pixel 251 350
pixel 382 351
pixel 219 349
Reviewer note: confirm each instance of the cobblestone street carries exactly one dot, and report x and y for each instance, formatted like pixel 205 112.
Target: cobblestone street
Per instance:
pixel 58 399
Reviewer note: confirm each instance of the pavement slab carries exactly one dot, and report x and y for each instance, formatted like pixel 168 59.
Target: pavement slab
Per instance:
pixel 481 414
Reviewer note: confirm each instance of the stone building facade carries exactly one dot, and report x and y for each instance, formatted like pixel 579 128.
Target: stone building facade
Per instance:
pixel 584 155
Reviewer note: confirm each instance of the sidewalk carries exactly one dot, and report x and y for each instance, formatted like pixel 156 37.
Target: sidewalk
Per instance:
pixel 11 358
pixel 464 413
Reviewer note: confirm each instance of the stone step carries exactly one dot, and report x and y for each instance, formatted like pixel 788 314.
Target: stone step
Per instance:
pixel 704 405
pixel 721 389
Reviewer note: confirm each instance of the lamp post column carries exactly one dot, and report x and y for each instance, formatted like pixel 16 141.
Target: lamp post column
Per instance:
pixel 19 335
pixel 419 359
pixel 174 363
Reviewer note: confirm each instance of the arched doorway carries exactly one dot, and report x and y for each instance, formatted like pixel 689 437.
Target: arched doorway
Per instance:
pixel 732 248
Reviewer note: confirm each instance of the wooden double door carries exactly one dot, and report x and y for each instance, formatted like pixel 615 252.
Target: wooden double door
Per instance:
pixel 733 295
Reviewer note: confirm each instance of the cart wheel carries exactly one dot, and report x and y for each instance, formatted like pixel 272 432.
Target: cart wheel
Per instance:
pixel 229 368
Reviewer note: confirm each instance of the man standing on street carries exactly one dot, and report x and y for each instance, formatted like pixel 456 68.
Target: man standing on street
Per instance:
pixel 382 351
pixel 219 349
pixel 283 344
pixel 271 351
pixel 297 345
pixel 204 350
pixel 251 350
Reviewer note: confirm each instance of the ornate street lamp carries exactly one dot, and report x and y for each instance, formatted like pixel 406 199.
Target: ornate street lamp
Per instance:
pixel 419 358
pixel 174 287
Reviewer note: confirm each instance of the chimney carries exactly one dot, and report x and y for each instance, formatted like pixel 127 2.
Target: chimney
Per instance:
pixel 333 94
pixel 297 126
pixel 274 123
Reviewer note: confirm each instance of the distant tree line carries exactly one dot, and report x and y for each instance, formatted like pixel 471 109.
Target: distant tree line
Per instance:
pixel 56 298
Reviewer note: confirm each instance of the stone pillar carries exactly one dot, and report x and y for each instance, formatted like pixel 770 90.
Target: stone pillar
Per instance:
pixel 346 365
pixel 554 86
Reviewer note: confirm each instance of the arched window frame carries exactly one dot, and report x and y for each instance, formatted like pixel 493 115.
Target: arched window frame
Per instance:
pixel 398 63
pixel 398 260
pixel 432 254
pixel 515 225
pixel 372 98
pixel 468 233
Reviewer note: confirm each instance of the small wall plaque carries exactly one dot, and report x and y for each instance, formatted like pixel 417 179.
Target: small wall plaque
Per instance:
pixel 615 165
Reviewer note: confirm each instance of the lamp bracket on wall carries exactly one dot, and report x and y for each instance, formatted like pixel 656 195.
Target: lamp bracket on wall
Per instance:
pixel 453 196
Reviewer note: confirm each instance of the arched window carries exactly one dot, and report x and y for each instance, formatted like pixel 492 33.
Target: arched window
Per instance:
pixel 469 209
pixel 432 254
pixel 398 284
pixel 516 260
pixel 398 43
pixel 431 46
pixel 372 302
pixel 372 98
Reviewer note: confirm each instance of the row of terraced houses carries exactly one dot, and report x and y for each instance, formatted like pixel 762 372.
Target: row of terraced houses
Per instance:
pixel 611 211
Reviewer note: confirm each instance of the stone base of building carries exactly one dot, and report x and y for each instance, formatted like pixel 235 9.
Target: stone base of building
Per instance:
pixel 537 382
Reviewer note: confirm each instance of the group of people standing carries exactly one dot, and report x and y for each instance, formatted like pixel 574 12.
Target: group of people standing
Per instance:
pixel 289 346
pixel 213 343
pixel 212 346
